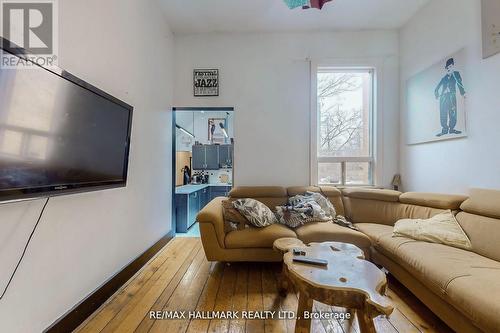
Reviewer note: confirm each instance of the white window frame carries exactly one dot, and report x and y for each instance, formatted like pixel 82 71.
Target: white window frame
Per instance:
pixel 376 158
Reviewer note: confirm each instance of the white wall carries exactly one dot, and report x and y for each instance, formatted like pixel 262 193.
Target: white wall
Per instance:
pixel 438 30
pixel 267 79
pixel 125 48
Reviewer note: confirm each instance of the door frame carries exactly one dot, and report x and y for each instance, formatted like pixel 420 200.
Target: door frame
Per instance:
pixel 174 148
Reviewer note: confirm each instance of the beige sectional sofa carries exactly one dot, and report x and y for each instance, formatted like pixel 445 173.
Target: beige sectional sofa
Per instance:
pixel 461 287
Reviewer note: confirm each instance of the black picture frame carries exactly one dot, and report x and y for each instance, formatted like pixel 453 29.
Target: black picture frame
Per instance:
pixel 211 74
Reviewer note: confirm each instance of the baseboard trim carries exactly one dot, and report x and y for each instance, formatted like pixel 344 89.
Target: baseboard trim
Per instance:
pixel 74 317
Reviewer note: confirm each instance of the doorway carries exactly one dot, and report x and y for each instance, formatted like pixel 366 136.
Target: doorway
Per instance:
pixel 202 160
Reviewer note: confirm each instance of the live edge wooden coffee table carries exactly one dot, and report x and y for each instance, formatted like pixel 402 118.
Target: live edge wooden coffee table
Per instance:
pixel 349 281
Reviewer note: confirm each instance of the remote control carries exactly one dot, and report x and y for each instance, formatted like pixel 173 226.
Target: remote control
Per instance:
pixel 297 252
pixel 311 261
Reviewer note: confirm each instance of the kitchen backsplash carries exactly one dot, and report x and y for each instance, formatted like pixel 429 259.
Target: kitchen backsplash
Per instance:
pixel 220 176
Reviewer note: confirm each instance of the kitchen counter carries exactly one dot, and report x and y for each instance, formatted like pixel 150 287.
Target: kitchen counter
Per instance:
pixel 190 199
pixel 188 189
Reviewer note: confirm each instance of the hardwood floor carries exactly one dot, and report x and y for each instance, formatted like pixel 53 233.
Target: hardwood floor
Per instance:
pixel 180 278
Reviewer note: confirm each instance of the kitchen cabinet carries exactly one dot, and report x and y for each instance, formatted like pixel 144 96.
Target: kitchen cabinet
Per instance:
pixel 212 157
pixel 219 191
pixel 205 157
pixel 187 206
pixel 198 157
pixel 226 156
pixel 204 197
pixel 190 199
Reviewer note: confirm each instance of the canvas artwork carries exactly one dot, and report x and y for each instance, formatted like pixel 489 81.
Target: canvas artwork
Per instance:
pixel 491 27
pixel 217 130
pixel 436 102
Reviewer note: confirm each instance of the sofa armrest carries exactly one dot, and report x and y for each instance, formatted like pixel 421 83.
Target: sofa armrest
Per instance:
pixel 212 214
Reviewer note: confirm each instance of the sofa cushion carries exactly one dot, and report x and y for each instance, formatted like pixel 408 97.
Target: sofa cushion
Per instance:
pixel 389 245
pixel 483 233
pixel 436 265
pixel 374 230
pixel 258 191
pixel 271 196
pixel 478 297
pixel 483 202
pixel 327 191
pixel 383 212
pixel 257 237
pixel 434 200
pixel 381 236
pixel 372 194
pixel 330 232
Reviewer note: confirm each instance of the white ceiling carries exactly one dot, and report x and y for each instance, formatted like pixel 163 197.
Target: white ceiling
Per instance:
pixel 205 16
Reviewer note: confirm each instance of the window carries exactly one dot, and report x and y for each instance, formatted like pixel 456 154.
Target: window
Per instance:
pixel 343 126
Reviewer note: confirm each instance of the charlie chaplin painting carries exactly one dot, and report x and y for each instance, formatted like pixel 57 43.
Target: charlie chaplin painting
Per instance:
pixel 446 93
pixel 436 101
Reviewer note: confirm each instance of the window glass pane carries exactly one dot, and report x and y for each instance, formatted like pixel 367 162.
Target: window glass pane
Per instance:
pixel 358 174
pixel 37 147
pixel 344 105
pixel 12 143
pixel 330 173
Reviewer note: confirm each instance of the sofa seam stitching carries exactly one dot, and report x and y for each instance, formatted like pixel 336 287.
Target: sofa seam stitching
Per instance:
pixel 445 290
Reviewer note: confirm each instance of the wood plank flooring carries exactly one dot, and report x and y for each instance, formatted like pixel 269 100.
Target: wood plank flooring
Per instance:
pixel 179 278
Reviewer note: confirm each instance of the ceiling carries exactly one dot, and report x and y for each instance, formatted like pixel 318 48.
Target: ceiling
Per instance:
pixel 206 16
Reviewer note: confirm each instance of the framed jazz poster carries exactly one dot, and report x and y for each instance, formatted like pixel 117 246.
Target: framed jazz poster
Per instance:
pixel 206 82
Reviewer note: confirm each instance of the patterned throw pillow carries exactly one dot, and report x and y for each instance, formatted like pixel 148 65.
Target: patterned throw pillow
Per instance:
pixel 233 220
pixel 258 214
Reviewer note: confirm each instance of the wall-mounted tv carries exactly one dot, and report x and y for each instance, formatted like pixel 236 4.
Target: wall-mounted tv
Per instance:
pixel 59 134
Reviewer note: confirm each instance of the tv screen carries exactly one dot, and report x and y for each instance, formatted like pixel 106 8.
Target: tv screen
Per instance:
pixel 59 135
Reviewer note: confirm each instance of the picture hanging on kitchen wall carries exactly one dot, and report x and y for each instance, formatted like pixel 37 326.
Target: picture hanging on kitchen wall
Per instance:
pixel 206 82
pixel 491 27
pixel 217 130
pixel 436 102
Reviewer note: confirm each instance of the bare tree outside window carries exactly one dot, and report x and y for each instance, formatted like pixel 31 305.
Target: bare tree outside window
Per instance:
pixel 344 105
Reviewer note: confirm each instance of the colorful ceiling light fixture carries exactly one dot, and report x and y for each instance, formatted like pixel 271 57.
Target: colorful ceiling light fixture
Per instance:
pixel 306 4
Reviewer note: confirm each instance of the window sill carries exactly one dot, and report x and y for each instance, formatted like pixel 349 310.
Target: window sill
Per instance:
pixel 351 186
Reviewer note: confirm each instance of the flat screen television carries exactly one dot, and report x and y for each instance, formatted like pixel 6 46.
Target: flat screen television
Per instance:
pixel 59 134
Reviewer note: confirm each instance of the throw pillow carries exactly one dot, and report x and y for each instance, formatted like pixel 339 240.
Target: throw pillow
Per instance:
pixel 258 214
pixel 233 220
pixel 442 229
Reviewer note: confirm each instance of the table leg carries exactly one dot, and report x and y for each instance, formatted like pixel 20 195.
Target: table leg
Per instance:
pixel 284 284
pixel 303 325
pixel 350 321
pixel 365 322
